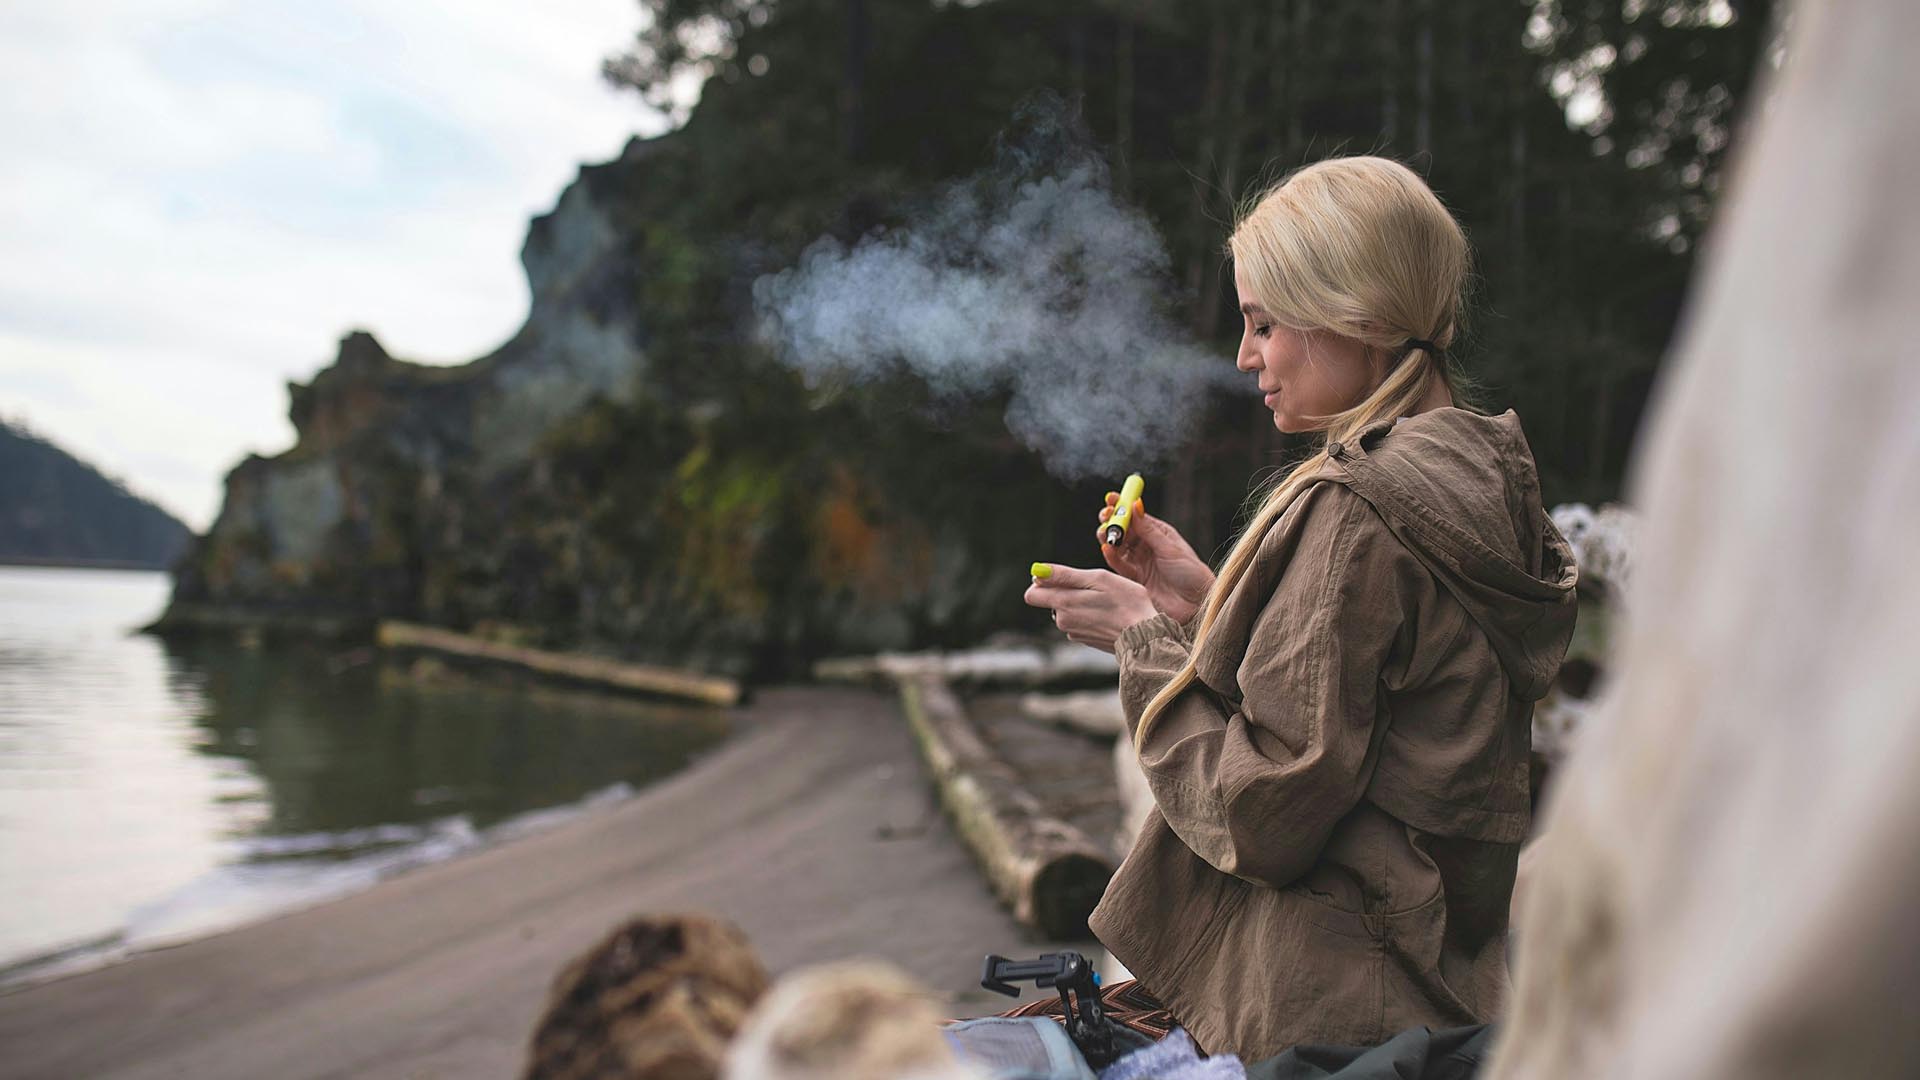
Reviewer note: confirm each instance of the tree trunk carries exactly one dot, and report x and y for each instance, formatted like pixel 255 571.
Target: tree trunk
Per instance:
pixel 1077 62
pixel 1047 871
pixel 853 81
pixel 1206 321
pixel 1466 57
pixel 1123 108
pixel 1390 72
pixel 1423 82
pixel 1206 154
pixel 1601 435
pixel 1185 510
pixel 1517 193
pixel 1277 60
pixel 1298 49
pixel 595 671
pixel 1564 326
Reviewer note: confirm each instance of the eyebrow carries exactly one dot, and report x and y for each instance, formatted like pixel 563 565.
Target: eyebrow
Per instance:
pixel 1252 309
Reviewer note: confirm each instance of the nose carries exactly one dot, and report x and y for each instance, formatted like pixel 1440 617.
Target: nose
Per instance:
pixel 1249 357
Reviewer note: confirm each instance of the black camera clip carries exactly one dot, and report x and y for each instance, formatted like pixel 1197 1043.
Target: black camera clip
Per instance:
pixel 1101 1041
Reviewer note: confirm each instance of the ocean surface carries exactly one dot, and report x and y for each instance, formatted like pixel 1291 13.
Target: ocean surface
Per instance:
pixel 152 792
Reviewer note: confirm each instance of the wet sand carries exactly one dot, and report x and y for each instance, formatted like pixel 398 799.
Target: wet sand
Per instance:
pixel 814 829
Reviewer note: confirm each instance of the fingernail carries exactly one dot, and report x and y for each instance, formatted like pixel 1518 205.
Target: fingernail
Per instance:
pixel 1042 570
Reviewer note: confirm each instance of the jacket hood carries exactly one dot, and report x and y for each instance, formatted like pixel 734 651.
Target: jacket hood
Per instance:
pixel 1461 491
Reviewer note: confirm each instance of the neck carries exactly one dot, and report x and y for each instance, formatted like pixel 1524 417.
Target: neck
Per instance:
pixel 1437 397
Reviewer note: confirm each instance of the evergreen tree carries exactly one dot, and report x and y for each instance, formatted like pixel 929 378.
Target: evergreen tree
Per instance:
pixel 1580 141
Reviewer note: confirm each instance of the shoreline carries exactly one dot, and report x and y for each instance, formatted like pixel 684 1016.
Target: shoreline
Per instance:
pixel 331 881
pixel 814 829
pixel 30 562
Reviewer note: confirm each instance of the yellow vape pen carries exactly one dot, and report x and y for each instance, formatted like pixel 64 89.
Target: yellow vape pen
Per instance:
pixel 1114 529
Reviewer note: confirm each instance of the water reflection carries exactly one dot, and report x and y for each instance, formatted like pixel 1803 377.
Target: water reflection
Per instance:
pixel 338 750
pixel 153 791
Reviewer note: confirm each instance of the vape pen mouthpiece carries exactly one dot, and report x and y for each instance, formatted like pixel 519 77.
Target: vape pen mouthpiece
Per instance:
pixel 1115 528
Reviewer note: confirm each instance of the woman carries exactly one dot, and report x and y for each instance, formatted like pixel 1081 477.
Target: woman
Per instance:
pixel 1336 727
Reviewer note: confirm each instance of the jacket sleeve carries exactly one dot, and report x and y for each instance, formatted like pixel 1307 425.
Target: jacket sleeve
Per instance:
pixel 1255 788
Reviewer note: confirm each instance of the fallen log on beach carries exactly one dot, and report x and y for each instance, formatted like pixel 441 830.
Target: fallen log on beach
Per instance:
pixel 1051 665
pixel 1094 713
pixel 591 670
pixel 1049 873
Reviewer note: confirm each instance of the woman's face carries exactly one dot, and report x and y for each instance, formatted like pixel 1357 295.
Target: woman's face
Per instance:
pixel 1303 374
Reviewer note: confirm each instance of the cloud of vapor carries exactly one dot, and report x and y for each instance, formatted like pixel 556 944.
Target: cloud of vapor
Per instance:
pixel 1030 278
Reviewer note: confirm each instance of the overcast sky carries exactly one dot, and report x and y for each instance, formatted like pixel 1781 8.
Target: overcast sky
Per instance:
pixel 200 197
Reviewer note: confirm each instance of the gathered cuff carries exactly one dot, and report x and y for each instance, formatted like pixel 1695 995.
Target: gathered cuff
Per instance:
pixel 1145 632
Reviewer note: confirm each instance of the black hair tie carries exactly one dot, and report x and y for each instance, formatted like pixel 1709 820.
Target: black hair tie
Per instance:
pixel 1421 343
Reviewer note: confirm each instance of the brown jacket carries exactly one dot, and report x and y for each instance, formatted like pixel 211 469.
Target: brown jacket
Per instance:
pixel 1341 796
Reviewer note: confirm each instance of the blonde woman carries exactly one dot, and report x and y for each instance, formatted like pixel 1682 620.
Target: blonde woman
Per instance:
pixel 1335 726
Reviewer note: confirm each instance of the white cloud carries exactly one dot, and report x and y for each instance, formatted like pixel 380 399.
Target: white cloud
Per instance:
pixel 202 196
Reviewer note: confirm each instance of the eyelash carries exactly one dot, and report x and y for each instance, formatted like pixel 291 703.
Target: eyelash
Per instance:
pixel 1263 330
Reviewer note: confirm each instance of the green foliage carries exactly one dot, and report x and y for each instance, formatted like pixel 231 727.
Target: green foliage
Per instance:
pixel 728 515
pixel 1584 232
pixel 1657 86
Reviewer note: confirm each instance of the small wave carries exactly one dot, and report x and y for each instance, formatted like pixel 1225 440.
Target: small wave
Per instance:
pixel 347 841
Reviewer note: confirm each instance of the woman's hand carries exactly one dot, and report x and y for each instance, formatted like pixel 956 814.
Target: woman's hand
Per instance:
pixel 1091 606
pixel 1154 554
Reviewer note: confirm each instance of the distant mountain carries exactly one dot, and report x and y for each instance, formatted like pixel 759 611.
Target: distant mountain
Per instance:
pixel 57 509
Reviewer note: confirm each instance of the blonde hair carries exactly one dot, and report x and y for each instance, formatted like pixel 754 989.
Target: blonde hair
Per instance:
pixel 1361 248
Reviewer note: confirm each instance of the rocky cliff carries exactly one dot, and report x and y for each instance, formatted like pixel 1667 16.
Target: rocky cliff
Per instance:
pixel 345 522
pixel 626 475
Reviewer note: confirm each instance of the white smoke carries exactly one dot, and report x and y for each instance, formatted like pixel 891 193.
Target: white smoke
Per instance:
pixel 1031 278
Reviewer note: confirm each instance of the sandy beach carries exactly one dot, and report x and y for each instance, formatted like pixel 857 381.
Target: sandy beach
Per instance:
pixel 814 829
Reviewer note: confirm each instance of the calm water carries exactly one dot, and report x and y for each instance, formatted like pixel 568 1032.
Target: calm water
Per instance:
pixel 151 792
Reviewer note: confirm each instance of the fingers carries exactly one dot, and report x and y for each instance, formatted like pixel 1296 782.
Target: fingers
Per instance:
pixel 1044 594
pixel 1045 591
pixel 1068 577
pixel 1141 523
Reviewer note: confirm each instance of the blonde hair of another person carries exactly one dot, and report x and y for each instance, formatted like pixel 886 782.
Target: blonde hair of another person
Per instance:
pixel 1358 247
pixel 1728 884
pixel 856 1020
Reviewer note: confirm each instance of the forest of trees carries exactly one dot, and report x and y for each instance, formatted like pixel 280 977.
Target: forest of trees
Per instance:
pixel 1581 142
pixel 730 514
pixel 57 509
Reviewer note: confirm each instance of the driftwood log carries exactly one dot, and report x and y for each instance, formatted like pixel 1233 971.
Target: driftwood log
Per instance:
pixel 593 670
pixel 1729 875
pixel 1048 872
pixel 1095 713
pixel 1051 665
